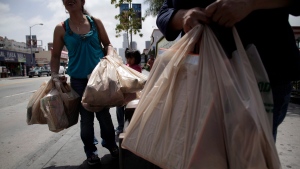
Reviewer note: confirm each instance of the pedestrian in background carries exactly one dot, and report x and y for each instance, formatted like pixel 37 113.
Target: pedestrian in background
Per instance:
pixel 87 42
pixel 133 58
pixel 263 23
pixel 150 63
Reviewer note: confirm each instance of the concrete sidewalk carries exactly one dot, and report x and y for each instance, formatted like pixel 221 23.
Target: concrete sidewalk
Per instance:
pixel 68 151
pixel 288 139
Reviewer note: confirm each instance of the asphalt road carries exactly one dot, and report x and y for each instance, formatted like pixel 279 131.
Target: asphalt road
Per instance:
pixel 21 143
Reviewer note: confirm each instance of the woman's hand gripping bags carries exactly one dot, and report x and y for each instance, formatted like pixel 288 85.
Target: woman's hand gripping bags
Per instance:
pixel 112 84
pixel 204 111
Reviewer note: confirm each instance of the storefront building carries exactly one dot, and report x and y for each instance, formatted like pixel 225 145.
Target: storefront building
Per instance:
pixel 43 58
pixel 14 63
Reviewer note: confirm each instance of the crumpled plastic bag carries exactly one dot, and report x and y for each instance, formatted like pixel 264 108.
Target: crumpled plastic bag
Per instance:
pixel 34 113
pixel 60 107
pixel 111 84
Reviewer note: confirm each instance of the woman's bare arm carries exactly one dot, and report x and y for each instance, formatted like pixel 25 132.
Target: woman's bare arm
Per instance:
pixel 58 44
pixel 104 37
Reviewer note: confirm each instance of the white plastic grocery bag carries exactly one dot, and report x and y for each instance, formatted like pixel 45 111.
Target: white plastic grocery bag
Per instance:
pixel 112 84
pixel 201 112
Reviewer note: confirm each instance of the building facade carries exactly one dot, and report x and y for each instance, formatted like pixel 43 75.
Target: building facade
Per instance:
pixel 147 44
pixel 155 37
pixel 12 45
pixel 15 57
pixel 125 41
pixel 14 63
pixel 134 45
pixel 122 54
pixel 16 60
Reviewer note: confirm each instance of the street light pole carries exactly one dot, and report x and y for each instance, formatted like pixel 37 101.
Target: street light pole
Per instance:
pixel 130 6
pixel 31 41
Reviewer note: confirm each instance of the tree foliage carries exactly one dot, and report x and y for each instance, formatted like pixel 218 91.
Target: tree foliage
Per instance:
pixel 154 7
pixel 129 23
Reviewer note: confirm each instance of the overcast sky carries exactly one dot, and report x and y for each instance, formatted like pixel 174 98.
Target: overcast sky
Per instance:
pixel 16 16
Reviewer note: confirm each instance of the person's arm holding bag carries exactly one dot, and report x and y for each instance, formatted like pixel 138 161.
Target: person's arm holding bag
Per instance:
pixel 58 44
pixel 103 37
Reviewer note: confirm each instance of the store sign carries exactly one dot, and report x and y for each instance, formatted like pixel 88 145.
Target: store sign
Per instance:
pixel 21 57
pixel 11 56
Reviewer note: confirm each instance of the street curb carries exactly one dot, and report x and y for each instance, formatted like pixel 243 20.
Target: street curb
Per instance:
pixel 43 160
pixel 12 78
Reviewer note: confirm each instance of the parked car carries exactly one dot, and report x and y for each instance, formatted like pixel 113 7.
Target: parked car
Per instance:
pixel 39 71
pixel 61 71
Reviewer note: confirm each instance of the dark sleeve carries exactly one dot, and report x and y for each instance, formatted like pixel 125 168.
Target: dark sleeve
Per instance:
pixel 163 19
pixel 295 8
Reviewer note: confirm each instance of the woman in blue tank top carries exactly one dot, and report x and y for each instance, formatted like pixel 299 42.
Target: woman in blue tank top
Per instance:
pixel 79 33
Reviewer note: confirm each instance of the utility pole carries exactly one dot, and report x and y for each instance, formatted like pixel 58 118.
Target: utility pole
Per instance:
pixel 130 7
pixel 31 41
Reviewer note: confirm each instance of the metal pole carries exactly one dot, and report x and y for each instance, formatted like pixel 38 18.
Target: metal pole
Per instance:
pixel 31 47
pixel 31 41
pixel 131 27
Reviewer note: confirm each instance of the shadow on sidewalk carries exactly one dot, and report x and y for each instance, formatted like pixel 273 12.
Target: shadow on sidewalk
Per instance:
pixel 83 166
pixel 106 163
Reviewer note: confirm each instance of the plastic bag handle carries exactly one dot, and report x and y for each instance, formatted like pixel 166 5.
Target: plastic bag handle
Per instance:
pixel 239 45
pixel 113 60
pixel 61 87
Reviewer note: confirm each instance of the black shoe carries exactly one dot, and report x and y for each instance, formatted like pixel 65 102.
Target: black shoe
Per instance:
pixel 114 152
pixel 94 159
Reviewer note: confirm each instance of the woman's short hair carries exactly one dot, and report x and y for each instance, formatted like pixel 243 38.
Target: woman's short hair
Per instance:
pixel 135 54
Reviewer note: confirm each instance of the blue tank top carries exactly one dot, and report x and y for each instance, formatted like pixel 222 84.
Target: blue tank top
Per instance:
pixel 84 51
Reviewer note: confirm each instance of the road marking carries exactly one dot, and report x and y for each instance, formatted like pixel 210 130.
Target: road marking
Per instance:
pixel 20 93
pixel 13 83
